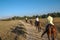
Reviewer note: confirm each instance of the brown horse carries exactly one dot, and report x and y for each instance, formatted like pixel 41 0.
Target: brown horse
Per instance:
pixel 31 22
pixel 51 32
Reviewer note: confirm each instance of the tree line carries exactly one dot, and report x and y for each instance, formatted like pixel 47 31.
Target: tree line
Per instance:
pixel 55 14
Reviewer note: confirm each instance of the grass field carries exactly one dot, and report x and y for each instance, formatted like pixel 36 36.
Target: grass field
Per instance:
pixel 5 28
pixel 56 23
pixel 6 25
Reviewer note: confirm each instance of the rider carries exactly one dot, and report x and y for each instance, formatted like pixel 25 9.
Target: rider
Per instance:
pixel 37 23
pixel 49 22
pixel 26 19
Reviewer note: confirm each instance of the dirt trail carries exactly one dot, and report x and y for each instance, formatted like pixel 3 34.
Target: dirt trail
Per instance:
pixel 32 32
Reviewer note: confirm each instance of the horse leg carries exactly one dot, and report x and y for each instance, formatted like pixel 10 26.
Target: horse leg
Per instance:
pixel 39 29
pixel 16 37
pixel 49 36
pixel 36 28
pixel 31 23
pixel 0 38
pixel 53 36
pixel 54 33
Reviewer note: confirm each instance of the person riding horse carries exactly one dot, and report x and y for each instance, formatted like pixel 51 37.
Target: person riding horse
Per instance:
pixel 50 29
pixel 37 24
pixel 26 19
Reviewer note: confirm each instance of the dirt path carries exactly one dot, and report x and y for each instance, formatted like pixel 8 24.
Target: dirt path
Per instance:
pixel 32 32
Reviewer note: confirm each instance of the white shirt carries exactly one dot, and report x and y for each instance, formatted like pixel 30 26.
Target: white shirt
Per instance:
pixel 37 19
pixel 26 18
pixel 50 20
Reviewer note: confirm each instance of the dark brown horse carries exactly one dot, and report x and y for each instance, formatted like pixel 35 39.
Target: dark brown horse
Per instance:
pixel 51 32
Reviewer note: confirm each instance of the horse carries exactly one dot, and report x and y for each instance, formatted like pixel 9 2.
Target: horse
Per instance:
pixel 0 38
pixel 26 20
pixel 51 32
pixel 31 22
pixel 37 24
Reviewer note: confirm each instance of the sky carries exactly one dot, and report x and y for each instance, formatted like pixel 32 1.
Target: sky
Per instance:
pixel 9 8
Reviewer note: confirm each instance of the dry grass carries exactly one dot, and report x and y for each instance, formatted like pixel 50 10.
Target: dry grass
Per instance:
pixel 56 22
pixel 6 25
pixel 5 28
